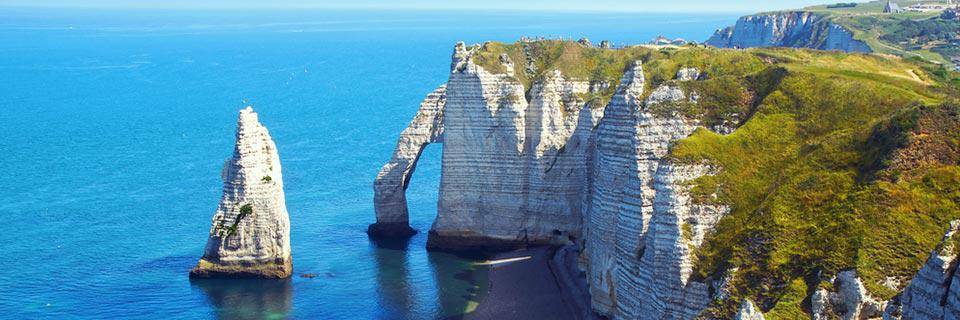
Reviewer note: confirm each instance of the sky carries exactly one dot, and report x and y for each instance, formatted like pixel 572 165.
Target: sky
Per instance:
pixel 552 5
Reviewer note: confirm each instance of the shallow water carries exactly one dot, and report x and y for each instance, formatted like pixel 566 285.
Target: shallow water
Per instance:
pixel 114 127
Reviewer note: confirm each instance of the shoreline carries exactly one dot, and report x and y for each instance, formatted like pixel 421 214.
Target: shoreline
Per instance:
pixel 532 283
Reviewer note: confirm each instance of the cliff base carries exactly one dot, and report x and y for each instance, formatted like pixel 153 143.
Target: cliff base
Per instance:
pixel 390 230
pixel 272 270
pixel 474 242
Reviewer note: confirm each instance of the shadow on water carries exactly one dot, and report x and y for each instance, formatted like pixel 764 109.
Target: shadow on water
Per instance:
pixel 463 284
pixel 247 298
pixel 459 283
pixel 394 293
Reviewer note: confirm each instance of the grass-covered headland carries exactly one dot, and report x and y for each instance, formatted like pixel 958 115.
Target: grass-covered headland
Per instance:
pixel 840 161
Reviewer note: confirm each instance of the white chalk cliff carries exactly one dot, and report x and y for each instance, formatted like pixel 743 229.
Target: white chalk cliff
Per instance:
pixel 250 232
pixel 541 165
pixel 798 29
pixel 934 293
pixel 513 166
pixel 389 189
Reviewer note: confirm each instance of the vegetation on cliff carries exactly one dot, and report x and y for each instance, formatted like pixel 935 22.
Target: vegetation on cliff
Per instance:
pixel 840 161
pixel 926 35
pixel 842 165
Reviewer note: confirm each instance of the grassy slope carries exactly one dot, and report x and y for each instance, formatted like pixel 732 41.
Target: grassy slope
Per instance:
pixel 868 24
pixel 802 174
pixel 804 201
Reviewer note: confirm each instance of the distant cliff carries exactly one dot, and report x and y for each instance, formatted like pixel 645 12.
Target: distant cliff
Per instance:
pixel 694 182
pixel 797 29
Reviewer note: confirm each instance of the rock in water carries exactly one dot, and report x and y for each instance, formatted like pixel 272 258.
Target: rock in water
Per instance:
pixel 250 233
pixel 389 189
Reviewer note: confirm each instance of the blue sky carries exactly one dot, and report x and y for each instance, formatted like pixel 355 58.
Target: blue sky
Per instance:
pixel 571 5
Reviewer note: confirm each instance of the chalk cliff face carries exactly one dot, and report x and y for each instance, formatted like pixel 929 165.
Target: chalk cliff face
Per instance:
pixel 934 293
pixel 748 311
pixel 599 158
pixel 638 253
pixel 250 232
pixel 787 29
pixel 514 164
pixel 849 300
pixel 539 166
pixel 389 189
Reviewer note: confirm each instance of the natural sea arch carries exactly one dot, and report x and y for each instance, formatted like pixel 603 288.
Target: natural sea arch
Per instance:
pixel 390 199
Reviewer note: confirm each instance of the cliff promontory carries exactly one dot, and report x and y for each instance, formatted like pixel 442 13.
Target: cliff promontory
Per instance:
pixel 924 33
pixel 798 29
pixel 694 182
pixel 250 232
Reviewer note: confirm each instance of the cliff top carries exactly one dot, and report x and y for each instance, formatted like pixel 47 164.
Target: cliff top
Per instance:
pixel 918 33
pixel 844 161
pixel 841 161
pixel 532 60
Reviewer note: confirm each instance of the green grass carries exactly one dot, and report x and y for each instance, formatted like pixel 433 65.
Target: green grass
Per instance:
pixel 795 177
pixel 818 176
pixel 789 306
pixel 224 231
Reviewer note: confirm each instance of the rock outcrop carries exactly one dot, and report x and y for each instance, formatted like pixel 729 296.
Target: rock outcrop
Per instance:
pixel 540 153
pixel 849 300
pixel 390 198
pixel 798 29
pixel 537 165
pixel 250 232
pixel 748 311
pixel 642 224
pixel 514 160
pixel 934 293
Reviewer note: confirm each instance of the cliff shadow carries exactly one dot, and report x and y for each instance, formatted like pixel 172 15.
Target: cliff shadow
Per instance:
pixel 395 294
pixel 247 298
pixel 463 284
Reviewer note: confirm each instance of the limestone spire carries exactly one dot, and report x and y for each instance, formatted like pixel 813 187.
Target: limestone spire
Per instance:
pixel 250 232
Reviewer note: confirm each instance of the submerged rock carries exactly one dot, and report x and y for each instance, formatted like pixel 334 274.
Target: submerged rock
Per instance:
pixel 250 232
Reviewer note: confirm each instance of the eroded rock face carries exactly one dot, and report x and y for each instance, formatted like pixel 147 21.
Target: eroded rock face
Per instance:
pixel 849 300
pixel 538 166
pixel 250 232
pixel 642 225
pixel 677 227
pixel 787 29
pixel 934 293
pixel 390 200
pixel 615 166
pixel 748 311
pixel 514 165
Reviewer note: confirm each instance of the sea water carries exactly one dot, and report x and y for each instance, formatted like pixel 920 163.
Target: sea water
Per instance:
pixel 114 126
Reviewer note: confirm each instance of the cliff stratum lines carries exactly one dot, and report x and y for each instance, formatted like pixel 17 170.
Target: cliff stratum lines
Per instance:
pixel 927 31
pixel 700 182
pixel 250 232
pixel 788 29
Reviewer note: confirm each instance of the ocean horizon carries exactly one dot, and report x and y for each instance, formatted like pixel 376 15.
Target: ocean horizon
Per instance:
pixel 116 125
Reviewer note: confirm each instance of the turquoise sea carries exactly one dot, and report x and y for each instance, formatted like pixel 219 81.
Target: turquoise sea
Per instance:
pixel 114 126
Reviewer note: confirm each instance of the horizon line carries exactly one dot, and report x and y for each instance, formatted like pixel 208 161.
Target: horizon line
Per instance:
pixel 373 8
